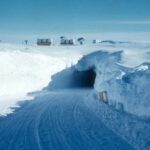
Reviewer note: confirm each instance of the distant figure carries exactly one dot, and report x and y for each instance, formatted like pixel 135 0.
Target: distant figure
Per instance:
pixel 81 40
pixel 26 42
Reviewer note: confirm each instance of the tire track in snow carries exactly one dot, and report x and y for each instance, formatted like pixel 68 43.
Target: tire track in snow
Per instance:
pixel 58 121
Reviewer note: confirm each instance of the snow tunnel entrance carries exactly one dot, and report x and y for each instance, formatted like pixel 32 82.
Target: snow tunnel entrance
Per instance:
pixel 84 79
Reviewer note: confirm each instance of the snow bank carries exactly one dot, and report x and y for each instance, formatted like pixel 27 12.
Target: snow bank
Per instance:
pixel 25 70
pixel 127 88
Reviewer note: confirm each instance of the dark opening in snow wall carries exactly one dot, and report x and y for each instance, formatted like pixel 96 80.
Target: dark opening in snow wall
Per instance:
pixel 85 79
pixel 72 78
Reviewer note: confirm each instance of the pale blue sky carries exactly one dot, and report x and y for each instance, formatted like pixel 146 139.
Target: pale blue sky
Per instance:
pixel 42 17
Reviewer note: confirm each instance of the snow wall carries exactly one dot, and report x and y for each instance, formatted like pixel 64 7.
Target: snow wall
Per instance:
pixel 127 88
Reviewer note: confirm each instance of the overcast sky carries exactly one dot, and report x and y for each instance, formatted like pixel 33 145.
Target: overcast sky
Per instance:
pixel 31 17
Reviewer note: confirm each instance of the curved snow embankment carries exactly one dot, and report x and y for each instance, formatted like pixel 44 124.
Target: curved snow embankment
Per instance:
pixel 127 88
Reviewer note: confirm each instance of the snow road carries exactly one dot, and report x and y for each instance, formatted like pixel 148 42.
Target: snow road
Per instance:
pixel 58 121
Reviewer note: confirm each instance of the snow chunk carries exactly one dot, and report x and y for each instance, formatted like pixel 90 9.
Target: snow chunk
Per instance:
pixel 142 67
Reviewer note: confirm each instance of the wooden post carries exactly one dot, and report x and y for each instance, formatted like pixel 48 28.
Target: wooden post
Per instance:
pixel 103 96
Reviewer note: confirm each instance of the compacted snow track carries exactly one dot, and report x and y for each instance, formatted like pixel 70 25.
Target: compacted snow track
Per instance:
pixel 57 121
